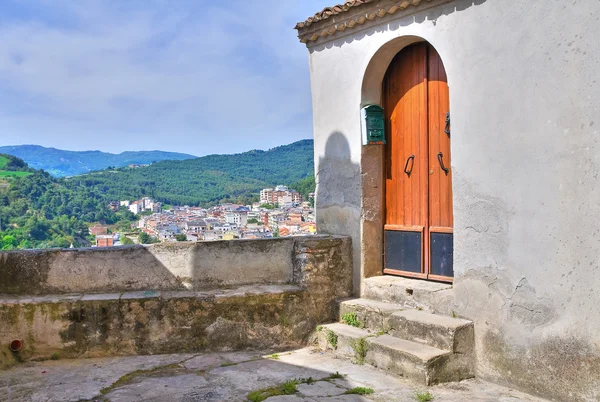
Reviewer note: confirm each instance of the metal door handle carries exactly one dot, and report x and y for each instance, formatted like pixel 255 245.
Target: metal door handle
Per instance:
pixel 447 128
pixel 406 169
pixel 441 161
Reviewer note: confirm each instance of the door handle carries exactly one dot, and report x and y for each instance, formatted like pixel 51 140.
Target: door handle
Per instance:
pixel 447 128
pixel 441 161
pixel 406 169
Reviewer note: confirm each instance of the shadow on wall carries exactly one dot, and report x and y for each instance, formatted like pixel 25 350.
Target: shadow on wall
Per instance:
pixel 338 194
pixel 389 23
pixel 338 187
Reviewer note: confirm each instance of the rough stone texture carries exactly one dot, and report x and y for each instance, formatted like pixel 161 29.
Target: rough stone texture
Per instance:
pixel 410 293
pixel 525 156
pixel 167 321
pixel 436 330
pixel 373 209
pixel 175 378
pixel 164 266
pixel 7 359
pixel 419 362
pixel 442 332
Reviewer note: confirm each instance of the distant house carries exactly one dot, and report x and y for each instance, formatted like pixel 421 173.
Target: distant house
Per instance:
pixel 113 206
pixel 136 207
pixel 195 226
pixel 98 230
pixel 104 240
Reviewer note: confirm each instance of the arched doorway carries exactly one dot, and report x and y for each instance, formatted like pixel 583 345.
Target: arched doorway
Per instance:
pixel 418 239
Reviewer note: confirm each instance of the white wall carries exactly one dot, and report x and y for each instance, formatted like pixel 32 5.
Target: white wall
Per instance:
pixel 524 97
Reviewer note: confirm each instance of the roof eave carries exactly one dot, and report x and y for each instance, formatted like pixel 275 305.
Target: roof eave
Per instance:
pixel 318 28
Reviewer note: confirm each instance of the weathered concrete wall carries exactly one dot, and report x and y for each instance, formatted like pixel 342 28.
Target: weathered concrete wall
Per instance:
pixel 163 266
pixel 318 270
pixel 524 97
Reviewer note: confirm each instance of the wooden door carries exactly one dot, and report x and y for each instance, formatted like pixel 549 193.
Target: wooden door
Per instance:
pixel 419 219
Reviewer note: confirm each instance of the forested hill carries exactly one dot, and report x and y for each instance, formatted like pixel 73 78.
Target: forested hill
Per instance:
pixel 38 210
pixel 60 163
pixel 209 179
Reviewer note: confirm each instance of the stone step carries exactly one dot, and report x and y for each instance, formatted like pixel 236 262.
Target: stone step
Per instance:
pixel 420 363
pixel 410 293
pixel 443 332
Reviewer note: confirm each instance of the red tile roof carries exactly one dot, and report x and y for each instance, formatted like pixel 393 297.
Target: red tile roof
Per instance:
pixel 329 11
pixel 366 10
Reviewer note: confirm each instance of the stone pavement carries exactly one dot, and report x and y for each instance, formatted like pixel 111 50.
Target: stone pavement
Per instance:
pixel 225 377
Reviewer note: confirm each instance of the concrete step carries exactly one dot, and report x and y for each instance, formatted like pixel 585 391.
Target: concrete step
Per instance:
pixel 410 293
pixel 443 332
pixel 423 364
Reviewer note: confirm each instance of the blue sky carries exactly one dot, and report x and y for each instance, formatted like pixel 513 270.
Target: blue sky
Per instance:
pixel 193 76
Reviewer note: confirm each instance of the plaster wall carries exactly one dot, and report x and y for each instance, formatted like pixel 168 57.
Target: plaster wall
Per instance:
pixel 524 99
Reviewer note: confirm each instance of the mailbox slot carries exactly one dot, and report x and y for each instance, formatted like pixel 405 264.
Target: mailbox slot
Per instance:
pixel 372 125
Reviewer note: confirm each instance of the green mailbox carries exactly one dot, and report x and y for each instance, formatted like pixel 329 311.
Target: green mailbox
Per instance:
pixel 373 126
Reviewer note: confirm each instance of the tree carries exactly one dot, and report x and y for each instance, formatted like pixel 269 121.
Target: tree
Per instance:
pixel 145 238
pixel 252 220
pixel 9 242
pixel 125 240
pixel 181 237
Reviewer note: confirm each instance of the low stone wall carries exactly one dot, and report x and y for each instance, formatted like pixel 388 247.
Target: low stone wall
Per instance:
pixel 170 298
pixel 164 266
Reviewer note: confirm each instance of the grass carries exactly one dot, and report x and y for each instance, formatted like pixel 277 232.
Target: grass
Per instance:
pixel 55 356
pixel 351 318
pixel 359 391
pixel 335 375
pixel 332 338
pixel 308 380
pixel 6 173
pixel 287 388
pixel 423 396
pixel 360 347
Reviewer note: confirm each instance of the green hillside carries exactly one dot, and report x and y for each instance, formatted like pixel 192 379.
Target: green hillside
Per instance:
pixel 11 166
pixel 3 161
pixel 40 211
pixel 206 180
pixel 61 163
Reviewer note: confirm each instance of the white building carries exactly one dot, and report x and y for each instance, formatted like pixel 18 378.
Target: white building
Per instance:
pixel 136 207
pixel 489 174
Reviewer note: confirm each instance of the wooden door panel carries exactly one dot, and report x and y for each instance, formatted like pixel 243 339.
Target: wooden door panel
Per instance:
pixel 419 220
pixel 405 105
pixel 440 183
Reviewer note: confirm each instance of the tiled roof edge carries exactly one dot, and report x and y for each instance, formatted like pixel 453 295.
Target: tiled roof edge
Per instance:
pixel 332 19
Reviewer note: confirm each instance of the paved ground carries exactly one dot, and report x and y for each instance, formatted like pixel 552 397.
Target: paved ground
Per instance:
pixel 225 377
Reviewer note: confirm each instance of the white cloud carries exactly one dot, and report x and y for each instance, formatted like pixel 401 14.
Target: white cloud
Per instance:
pixel 192 76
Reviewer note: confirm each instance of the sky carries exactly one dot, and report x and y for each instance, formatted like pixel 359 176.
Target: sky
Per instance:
pixel 192 76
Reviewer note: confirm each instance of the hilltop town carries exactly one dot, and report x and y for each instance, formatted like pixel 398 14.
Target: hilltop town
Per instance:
pixel 280 212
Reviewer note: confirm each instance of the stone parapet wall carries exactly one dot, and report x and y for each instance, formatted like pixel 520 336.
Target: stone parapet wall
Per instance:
pixel 165 266
pixel 132 300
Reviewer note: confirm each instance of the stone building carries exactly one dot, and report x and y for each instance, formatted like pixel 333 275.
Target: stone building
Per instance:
pixel 489 175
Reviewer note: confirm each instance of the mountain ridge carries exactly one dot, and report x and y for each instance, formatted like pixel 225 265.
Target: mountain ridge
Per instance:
pixel 207 179
pixel 61 163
